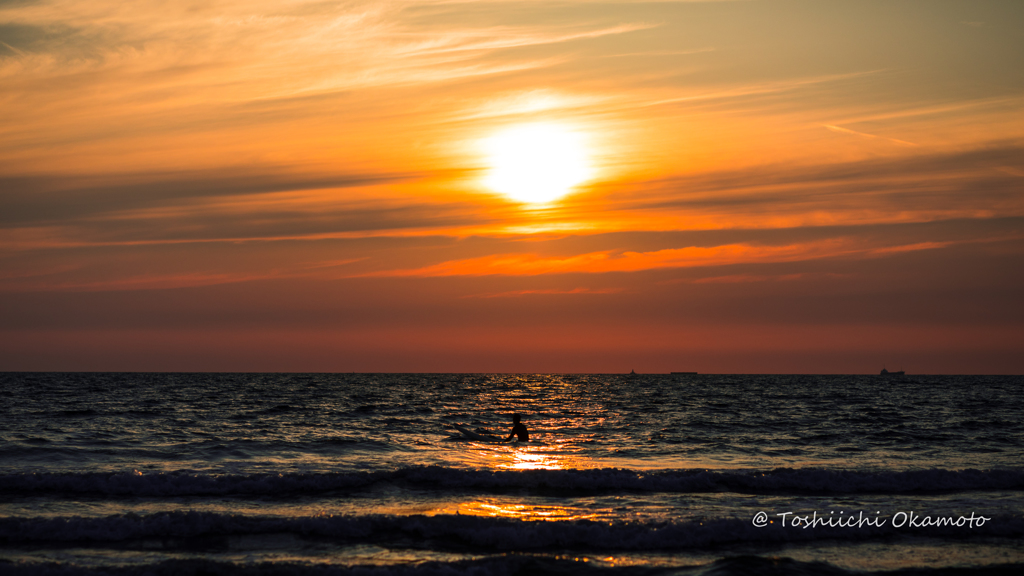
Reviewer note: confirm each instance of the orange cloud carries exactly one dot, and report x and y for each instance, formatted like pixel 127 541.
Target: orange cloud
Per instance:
pixel 911 247
pixel 515 293
pixel 746 278
pixel 612 261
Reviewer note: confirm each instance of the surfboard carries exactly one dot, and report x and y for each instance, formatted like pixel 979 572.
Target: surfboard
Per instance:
pixel 474 436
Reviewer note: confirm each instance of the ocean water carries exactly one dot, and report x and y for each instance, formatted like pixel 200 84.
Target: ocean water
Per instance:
pixel 653 474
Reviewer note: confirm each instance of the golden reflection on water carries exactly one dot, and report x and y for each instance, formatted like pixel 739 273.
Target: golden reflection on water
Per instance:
pixel 554 454
pixel 525 459
pixel 546 452
pixel 497 508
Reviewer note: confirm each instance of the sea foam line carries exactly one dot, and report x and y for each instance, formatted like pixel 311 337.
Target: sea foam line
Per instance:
pixel 497 565
pixel 478 532
pixel 778 481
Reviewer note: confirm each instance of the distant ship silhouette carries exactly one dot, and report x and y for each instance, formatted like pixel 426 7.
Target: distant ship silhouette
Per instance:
pixel 885 372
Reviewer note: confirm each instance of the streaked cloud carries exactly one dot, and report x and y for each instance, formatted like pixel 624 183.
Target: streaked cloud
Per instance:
pixel 546 292
pixel 974 183
pixel 628 261
pixel 48 199
pixel 746 278
pixel 842 130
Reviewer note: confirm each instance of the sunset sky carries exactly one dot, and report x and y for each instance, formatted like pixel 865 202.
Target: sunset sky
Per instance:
pixel 731 186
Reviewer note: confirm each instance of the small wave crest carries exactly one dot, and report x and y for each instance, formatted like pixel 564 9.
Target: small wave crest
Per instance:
pixel 814 481
pixel 474 532
pixel 499 565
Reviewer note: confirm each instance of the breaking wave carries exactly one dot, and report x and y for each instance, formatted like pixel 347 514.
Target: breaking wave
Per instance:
pixel 779 481
pixel 505 564
pixel 462 531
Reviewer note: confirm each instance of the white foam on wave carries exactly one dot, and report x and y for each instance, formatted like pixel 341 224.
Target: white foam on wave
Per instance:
pixel 477 532
pixel 779 481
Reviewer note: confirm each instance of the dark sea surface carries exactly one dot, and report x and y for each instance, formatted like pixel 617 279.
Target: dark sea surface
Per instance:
pixel 365 473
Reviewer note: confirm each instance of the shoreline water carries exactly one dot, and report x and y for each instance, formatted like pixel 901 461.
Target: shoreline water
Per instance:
pixel 307 474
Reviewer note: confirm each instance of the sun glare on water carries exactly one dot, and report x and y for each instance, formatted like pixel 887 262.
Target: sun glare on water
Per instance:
pixel 536 163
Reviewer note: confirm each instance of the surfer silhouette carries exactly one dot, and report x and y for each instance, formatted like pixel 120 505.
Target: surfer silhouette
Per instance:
pixel 518 429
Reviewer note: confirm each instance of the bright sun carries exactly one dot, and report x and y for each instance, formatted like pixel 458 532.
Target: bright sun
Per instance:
pixel 536 163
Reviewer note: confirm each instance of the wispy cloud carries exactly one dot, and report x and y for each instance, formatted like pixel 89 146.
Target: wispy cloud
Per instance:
pixel 759 89
pixel 974 183
pixel 230 49
pixel 661 53
pixel 629 261
pixel 48 199
pixel 544 292
pixel 748 278
pixel 842 130
pixel 229 205
pixel 502 37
